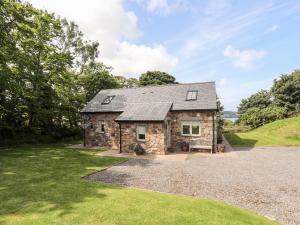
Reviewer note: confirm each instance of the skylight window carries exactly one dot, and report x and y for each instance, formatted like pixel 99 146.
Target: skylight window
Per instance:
pixel 191 95
pixel 108 99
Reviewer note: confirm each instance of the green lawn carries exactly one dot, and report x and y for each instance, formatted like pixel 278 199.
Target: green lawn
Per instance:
pixel 279 133
pixel 43 185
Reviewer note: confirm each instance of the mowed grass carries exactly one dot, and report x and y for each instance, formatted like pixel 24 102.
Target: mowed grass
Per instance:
pixel 284 132
pixel 43 185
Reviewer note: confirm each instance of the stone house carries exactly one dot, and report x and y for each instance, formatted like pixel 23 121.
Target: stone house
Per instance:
pixel 161 118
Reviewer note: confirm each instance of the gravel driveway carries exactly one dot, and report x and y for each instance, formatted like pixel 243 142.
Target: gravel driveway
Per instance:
pixel 264 180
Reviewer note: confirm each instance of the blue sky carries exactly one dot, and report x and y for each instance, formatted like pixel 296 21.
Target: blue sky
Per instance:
pixel 241 45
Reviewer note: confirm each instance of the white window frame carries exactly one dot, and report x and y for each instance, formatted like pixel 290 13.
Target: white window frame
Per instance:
pixel 137 132
pixel 191 95
pixel 99 126
pixel 190 124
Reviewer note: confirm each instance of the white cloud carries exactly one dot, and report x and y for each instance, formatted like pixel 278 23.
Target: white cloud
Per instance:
pixel 157 5
pixel 164 7
pixel 243 59
pixel 272 28
pixel 216 7
pixel 144 58
pixel 114 28
pixel 224 82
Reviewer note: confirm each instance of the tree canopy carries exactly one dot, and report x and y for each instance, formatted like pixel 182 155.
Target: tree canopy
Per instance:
pixel 260 100
pixel 156 78
pixel 266 106
pixel 48 71
pixel 286 91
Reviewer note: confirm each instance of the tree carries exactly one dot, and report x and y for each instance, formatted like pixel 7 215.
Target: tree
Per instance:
pixel 127 82
pixel 255 117
pixel 219 120
pixel 97 77
pixel 47 71
pixel 156 78
pixel 261 99
pixel 286 91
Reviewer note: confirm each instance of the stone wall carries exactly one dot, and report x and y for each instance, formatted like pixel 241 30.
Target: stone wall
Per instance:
pixel 206 126
pixel 110 137
pixel 156 132
pixel 154 140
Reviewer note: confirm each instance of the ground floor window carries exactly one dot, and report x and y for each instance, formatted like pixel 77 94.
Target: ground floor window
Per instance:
pixel 141 132
pixel 100 126
pixel 190 128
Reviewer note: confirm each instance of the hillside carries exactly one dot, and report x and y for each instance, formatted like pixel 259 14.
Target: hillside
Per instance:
pixel 284 132
pixel 230 114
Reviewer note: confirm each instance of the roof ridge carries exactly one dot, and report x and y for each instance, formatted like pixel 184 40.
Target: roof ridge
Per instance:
pixel 148 86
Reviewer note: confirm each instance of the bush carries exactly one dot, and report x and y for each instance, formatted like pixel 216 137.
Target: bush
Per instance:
pixel 16 136
pixel 138 149
pixel 255 117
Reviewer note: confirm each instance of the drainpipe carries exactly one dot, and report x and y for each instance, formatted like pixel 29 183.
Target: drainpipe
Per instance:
pixel 84 132
pixel 120 137
pixel 213 144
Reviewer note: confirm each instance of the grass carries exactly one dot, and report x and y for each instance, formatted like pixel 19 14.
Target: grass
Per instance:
pixel 42 185
pixel 284 132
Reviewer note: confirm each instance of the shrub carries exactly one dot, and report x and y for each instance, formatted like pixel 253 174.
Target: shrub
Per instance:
pixel 255 117
pixel 138 149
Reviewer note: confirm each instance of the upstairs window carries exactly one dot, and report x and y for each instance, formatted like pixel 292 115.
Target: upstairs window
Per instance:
pixel 191 95
pixel 108 99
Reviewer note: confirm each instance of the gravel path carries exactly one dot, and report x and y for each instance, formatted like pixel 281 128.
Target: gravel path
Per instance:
pixel 265 180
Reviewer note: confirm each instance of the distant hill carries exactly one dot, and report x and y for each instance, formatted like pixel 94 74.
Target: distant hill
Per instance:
pixel 230 114
pixel 284 132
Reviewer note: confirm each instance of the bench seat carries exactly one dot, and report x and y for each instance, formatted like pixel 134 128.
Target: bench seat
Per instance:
pixel 200 143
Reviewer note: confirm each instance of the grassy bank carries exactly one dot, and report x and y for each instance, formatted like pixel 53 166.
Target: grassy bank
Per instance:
pixel 284 132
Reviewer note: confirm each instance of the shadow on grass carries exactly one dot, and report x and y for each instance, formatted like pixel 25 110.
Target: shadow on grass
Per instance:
pixel 237 141
pixel 39 179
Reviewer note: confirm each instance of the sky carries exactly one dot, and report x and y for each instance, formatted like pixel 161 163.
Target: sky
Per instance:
pixel 241 45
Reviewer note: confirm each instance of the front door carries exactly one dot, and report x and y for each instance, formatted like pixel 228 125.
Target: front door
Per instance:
pixel 169 133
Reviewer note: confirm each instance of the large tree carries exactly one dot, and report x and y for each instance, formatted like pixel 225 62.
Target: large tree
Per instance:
pixel 47 70
pixel 127 82
pixel 286 91
pixel 259 100
pixel 156 78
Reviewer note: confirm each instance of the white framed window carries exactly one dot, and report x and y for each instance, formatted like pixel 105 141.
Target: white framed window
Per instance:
pixel 191 95
pixel 140 132
pixel 100 126
pixel 190 128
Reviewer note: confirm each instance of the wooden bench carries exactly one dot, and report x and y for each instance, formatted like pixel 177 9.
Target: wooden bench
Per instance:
pixel 201 143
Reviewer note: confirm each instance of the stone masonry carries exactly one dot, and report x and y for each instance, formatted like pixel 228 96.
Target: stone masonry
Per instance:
pixel 154 140
pixel 206 126
pixel 110 138
pixel 156 132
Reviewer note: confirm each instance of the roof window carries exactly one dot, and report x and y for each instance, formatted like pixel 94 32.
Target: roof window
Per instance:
pixel 191 95
pixel 108 99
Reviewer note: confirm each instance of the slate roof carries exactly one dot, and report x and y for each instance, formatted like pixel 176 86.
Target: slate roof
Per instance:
pixel 151 102
pixel 154 112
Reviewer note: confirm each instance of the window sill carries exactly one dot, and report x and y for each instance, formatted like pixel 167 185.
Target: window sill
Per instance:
pixel 190 135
